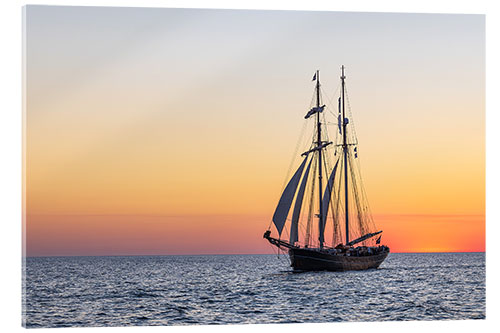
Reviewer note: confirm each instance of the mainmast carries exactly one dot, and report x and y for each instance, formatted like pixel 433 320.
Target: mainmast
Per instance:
pixel 344 146
pixel 320 150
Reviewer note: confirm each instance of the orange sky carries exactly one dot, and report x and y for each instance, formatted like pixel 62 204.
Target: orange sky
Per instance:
pixel 229 234
pixel 171 131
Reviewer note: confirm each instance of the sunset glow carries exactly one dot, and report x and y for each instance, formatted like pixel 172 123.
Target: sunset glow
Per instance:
pixel 161 131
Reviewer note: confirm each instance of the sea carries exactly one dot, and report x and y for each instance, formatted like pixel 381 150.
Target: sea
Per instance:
pixel 247 289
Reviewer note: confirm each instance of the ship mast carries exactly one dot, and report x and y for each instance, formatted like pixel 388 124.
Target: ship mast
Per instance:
pixel 344 146
pixel 320 177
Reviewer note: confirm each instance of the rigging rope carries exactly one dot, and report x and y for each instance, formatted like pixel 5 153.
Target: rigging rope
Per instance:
pixel 364 218
pixel 361 225
pixel 294 157
pixel 311 206
pixel 358 165
pixel 337 235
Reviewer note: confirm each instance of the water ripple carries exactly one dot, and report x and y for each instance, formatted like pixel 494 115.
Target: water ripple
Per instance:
pixel 186 290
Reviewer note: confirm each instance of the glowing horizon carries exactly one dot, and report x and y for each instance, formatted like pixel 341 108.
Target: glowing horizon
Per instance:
pixel 170 130
pixel 172 235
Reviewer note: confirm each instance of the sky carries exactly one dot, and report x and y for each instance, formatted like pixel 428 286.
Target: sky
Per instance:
pixel 170 131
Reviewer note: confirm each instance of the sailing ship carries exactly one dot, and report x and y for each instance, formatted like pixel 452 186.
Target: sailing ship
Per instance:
pixel 339 208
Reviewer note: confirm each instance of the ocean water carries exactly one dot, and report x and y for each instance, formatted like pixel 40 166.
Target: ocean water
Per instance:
pixel 237 289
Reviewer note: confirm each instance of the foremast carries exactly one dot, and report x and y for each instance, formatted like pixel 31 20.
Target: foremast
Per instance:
pixel 319 149
pixel 290 191
pixel 345 152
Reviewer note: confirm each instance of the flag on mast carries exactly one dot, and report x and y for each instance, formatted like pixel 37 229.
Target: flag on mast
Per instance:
pixel 314 77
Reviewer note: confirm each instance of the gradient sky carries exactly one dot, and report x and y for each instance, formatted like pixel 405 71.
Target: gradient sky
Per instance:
pixel 170 131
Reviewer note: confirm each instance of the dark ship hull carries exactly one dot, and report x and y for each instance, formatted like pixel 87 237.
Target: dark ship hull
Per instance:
pixel 337 260
pixel 303 259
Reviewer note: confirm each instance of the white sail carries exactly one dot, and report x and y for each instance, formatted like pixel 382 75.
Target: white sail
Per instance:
pixel 294 229
pixel 281 212
pixel 327 196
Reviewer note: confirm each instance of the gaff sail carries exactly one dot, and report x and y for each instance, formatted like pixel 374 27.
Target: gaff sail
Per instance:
pixel 294 229
pixel 281 212
pixel 327 196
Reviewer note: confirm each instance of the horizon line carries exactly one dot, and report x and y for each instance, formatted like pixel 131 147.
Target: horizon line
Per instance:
pixel 211 254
